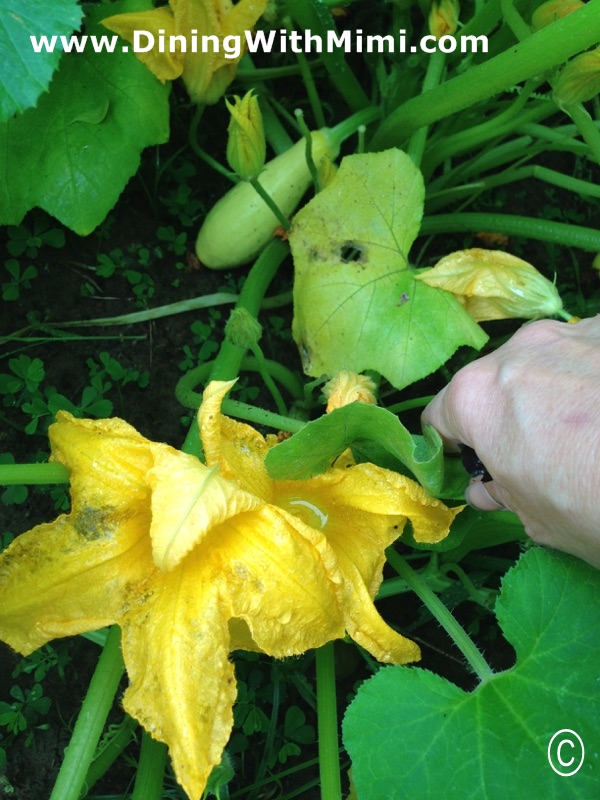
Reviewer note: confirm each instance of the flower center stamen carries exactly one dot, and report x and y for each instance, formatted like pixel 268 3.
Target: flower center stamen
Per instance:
pixel 322 517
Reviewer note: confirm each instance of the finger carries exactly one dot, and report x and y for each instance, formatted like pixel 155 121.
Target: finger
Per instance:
pixel 480 495
pixel 434 415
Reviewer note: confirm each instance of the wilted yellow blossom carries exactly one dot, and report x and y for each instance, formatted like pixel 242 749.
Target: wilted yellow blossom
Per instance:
pixel 443 18
pixel 552 10
pixel 246 144
pixel 349 387
pixel 206 74
pixel 579 80
pixel 194 561
pixel 492 284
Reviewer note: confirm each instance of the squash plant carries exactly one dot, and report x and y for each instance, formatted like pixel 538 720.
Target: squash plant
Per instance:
pixel 298 541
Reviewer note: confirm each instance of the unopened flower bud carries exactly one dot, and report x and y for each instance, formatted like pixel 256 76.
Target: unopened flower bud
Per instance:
pixel 579 80
pixel 246 145
pixel 242 329
pixel 552 10
pixel 349 387
pixel 491 284
pixel 443 18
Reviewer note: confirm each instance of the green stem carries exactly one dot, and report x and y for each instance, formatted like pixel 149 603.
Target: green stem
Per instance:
pixel 29 474
pixel 514 20
pixel 539 53
pixel 227 363
pixel 327 724
pixel 433 77
pixel 150 773
pixel 283 220
pixel 529 227
pixel 91 720
pixel 111 751
pixel 448 622
pixel 267 379
pixel 261 417
pixel 587 128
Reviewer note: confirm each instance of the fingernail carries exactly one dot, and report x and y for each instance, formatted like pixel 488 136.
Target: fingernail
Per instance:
pixel 478 497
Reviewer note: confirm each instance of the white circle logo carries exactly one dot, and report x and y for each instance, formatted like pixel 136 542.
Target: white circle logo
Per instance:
pixel 566 752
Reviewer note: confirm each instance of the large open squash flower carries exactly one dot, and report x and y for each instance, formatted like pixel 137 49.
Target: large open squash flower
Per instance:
pixel 206 75
pixel 194 561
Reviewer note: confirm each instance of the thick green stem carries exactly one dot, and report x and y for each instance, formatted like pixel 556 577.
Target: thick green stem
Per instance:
pixel 111 751
pixel 29 474
pixel 460 638
pixel 433 77
pixel 529 227
pixel 98 701
pixel 539 53
pixel 327 724
pixel 227 363
pixel 150 773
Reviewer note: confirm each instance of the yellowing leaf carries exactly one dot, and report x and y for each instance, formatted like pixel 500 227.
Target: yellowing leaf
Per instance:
pixel 357 305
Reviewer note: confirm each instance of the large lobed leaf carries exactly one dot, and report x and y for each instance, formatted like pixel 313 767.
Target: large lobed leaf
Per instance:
pixel 411 733
pixel 373 433
pixel 73 154
pixel 357 305
pixel 25 74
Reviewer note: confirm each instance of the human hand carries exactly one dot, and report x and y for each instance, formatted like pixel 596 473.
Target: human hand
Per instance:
pixel 531 411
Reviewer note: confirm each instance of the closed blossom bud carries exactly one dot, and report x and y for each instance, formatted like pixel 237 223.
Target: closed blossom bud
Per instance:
pixel 491 284
pixel 246 146
pixel 349 387
pixel 443 18
pixel 552 10
pixel 242 329
pixel 579 81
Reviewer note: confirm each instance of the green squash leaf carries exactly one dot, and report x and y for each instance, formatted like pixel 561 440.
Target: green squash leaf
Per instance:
pixel 73 154
pixel 25 74
pixel 373 433
pixel 356 303
pixel 411 733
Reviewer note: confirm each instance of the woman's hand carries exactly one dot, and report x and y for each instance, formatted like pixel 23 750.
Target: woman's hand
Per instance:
pixel 531 411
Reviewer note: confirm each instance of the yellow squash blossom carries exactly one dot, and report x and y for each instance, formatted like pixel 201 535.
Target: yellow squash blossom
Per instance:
pixel 492 284
pixel 349 387
pixel 206 74
pixel 194 561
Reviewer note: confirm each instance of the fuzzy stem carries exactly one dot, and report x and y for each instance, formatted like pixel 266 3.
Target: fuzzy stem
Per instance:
pixel 448 622
pixel 327 725
pixel 91 720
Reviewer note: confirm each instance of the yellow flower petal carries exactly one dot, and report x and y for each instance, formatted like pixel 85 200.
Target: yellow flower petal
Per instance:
pixel 202 499
pixel 108 460
pixel 237 449
pixel 160 21
pixel 182 684
pixel 57 580
pixel 493 284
